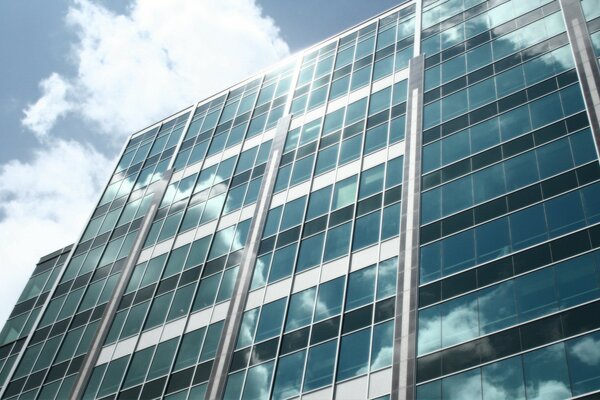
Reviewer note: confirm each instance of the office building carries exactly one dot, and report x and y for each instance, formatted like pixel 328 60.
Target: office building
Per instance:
pixel 408 210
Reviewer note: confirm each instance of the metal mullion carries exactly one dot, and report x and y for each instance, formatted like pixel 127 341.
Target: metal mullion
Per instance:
pixel 586 62
pixel 404 357
pixel 112 305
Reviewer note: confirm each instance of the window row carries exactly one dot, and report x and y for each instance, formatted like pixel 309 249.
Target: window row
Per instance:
pixel 210 194
pixel 498 86
pixel 503 205
pixel 487 20
pixel 444 9
pixel 335 197
pixel 518 300
pixel 174 288
pixel 146 365
pixel 561 370
pixel 516 231
pixel 506 127
pixel 518 263
pixel 309 369
pixel 242 116
pixel 506 176
pixel 364 286
pixel 512 341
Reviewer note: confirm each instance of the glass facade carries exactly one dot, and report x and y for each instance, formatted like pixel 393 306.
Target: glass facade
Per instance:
pixel 410 209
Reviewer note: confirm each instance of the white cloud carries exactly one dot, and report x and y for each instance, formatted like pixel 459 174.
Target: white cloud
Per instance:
pixel 131 70
pixel 45 202
pixel 162 56
pixel 43 114
pixel 587 351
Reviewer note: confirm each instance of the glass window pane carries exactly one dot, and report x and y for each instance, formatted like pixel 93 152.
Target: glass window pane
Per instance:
pixel 300 309
pixel 233 389
pixel 546 373
pixel 350 149
pixel 113 376
pixel 212 340
pixel 361 287
pixel 387 272
pixel 158 311
pixel 271 319
pixel 577 280
pixel 429 335
pixel 227 284
pixel 497 307
pixel 536 294
pixel 289 375
pixel 181 302
pixel 337 243
pixel 459 320
pixel 189 349
pixel 319 202
pixel 391 216
pixel 383 344
pixel 584 363
pixel 344 193
pixel 319 368
pixel 465 386
pixel 283 262
pixel 329 300
pixel 356 111
pixel 371 181
pixel 207 292
pixel 504 380
pixel 366 230
pixel 246 333
pixel 294 211
pixel 161 362
pixel 258 382
pixel 310 252
pixel 354 355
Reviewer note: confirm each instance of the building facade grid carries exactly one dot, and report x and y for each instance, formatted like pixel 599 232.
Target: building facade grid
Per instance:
pixel 410 209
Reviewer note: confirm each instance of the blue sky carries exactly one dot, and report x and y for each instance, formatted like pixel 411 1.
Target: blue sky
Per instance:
pixel 79 76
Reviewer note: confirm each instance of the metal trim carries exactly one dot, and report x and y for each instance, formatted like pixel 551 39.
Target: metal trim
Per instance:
pixel 218 376
pixel 586 63
pixel 89 362
pixel 404 358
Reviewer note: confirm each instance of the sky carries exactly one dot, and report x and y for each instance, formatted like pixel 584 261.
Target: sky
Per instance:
pixel 78 77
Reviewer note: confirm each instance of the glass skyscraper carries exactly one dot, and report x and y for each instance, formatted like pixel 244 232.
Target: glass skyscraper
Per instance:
pixel 408 210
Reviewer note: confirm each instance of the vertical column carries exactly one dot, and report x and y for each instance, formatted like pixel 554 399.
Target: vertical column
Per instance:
pixel 218 377
pixel 157 189
pixel 403 367
pixel 183 134
pixel 585 62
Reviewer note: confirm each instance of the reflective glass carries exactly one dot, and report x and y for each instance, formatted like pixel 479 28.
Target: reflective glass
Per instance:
pixel 382 347
pixel 503 379
pixel 338 239
pixel 361 287
pixel 329 300
pixel 300 309
pixel 271 319
pixel 465 386
pixel 319 367
pixel 289 375
pixel 546 373
pixel 584 364
pixel 258 382
pixel 354 355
